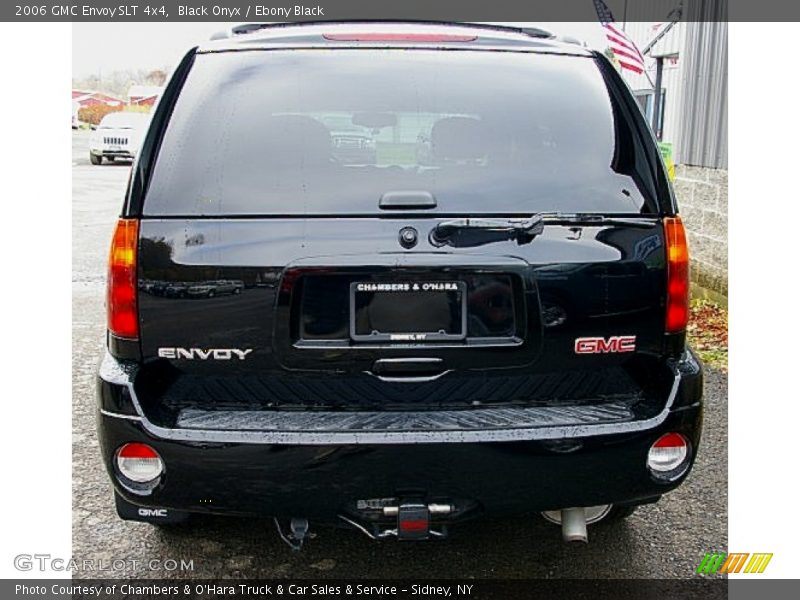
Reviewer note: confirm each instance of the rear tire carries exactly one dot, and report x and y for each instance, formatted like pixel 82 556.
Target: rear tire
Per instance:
pixel 95 160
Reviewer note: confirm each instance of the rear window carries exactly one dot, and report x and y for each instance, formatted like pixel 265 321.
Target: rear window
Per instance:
pixel 330 132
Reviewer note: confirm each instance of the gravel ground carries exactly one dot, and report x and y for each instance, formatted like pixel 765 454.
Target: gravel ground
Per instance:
pixel 667 539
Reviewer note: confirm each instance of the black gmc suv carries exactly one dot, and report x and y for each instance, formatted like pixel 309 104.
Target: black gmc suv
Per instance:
pixel 464 287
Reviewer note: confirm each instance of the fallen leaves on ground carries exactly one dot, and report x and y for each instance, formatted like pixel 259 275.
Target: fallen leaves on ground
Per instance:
pixel 708 333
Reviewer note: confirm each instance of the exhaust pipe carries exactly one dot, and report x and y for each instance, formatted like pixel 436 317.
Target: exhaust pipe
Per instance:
pixel 574 520
pixel 573 525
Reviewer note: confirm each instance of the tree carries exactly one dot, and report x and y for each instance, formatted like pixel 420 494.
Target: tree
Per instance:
pixel 117 83
pixel 156 77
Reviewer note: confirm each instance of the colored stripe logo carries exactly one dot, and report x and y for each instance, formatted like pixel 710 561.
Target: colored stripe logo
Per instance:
pixel 735 562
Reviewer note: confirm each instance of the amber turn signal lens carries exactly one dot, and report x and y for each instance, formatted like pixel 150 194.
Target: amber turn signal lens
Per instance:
pixel 677 275
pixel 123 317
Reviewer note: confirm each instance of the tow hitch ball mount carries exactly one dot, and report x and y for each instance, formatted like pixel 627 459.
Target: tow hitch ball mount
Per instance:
pixel 413 522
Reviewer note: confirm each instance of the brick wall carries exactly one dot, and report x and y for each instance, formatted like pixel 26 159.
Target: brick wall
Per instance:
pixel 703 203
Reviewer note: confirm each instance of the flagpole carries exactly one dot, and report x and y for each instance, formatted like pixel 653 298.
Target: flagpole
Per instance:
pixel 657 97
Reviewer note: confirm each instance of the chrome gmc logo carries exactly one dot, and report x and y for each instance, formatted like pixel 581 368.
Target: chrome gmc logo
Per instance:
pixel 599 345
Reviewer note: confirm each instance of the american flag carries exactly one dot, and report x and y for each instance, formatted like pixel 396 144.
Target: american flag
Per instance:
pixel 621 45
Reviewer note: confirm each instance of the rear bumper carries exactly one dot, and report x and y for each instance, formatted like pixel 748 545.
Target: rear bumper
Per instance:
pixel 321 474
pixel 113 153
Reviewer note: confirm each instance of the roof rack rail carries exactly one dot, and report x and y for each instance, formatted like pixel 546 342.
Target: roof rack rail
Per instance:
pixel 246 28
pixel 568 39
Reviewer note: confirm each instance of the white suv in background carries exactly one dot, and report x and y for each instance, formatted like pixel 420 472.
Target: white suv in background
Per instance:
pixel 117 136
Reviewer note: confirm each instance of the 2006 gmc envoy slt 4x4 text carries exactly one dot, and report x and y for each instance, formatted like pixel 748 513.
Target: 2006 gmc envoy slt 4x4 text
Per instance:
pixel 452 282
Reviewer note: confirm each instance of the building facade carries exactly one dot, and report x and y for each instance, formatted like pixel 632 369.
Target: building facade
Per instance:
pixel 693 118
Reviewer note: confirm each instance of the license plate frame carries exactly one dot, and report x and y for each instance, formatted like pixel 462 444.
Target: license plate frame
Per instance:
pixel 422 290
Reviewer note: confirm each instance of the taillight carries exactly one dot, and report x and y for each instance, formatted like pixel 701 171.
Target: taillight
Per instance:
pixel 123 319
pixel 677 275
pixel 668 453
pixel 139 462
pixel 398 37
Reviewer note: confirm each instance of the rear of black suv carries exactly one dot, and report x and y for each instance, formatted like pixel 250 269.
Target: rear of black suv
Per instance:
pixel 459 286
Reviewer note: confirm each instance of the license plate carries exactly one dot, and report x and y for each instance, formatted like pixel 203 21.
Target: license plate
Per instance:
pixel 408 311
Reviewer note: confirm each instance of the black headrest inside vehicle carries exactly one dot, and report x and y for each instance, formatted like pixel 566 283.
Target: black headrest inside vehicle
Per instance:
pixel 458 139
pixel 296 139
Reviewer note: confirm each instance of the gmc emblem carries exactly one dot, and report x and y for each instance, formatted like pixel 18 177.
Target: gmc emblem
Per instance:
pixel 599 345
pixel 152 512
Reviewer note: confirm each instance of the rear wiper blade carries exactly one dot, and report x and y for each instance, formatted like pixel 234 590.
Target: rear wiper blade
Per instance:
pixel 477 231
pixel 532 225
pixel 562 218
pixel 525 229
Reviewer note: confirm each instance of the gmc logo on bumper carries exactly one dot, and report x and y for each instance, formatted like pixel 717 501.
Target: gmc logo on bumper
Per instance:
pixel 599 345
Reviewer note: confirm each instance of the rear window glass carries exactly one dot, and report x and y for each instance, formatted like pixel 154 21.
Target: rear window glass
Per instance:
pixel 331 132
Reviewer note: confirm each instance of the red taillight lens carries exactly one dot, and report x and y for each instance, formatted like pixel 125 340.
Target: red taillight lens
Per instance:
pixel 677 275
pixel 398 37
pixel 670 440
pixel 137 450
pixel 139 462
pixel 669 452
pixel 123 319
